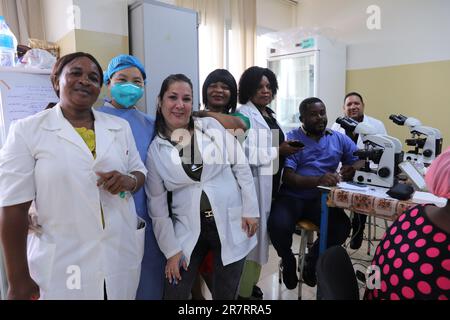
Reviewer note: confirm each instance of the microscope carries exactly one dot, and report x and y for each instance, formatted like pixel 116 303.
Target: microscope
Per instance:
pixel 431 144
pixel 385 152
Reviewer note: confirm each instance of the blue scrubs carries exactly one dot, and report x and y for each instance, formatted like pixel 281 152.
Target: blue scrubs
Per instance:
pixel 318 158
pixel 152 274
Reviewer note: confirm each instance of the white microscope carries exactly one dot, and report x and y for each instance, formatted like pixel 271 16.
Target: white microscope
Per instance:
pixel 385 152
pixel 431 144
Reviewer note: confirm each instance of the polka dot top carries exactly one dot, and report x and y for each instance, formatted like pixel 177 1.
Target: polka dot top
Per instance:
pixel 413 259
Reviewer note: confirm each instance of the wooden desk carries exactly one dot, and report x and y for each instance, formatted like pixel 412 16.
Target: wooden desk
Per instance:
pixel 376 205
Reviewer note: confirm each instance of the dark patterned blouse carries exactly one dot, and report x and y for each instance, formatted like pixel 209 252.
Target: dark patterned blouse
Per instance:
pixel 413 259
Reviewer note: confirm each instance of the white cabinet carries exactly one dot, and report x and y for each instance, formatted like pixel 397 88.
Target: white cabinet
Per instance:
pixel 309 67
pixel 165 39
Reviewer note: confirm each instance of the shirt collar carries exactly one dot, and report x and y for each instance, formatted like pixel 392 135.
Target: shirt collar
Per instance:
pixel 327 132
pixel 269 111
pixel 109 105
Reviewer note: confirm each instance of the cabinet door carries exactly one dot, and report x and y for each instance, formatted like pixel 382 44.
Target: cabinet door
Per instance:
pixel 165 37
pixel 296 75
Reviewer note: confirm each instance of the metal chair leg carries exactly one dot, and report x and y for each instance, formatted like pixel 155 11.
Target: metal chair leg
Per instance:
pixel 374 229
pixel 369 235
pixel 279 271
pixel 301 261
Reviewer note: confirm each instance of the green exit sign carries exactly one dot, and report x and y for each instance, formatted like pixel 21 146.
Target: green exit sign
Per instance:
pixel 306 44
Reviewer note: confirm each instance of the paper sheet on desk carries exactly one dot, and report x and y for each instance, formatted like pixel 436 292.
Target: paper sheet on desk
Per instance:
pixel 353 187
pixel 426 197
pixel 379 192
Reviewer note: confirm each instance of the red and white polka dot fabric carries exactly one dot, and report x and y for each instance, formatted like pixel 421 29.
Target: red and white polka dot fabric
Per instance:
pixel 414 260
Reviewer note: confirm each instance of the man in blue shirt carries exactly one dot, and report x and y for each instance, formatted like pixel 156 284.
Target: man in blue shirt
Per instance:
pixel 298 198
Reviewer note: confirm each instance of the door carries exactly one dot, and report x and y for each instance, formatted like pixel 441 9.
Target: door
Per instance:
pixel 297 78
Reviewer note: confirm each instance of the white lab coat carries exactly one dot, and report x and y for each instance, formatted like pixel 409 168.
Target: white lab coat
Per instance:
pixel 261 156
pixel 376 124
pixel 46 160
pixel 226 180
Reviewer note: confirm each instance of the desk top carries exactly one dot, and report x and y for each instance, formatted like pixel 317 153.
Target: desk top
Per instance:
pixel 368 203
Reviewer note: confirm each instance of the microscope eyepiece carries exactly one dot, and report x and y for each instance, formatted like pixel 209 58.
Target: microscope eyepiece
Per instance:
pixel 398 119
pixel 348 124
pixel 373 155
pixel 418 142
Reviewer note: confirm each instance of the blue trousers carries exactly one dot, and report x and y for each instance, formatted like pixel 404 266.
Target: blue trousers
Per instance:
pixel 151 283
pixel 287 210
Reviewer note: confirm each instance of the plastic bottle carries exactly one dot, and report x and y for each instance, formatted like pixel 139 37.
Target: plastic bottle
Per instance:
pixel 8 45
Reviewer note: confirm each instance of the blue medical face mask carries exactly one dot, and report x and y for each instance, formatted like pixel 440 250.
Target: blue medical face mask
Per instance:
pixel 126 94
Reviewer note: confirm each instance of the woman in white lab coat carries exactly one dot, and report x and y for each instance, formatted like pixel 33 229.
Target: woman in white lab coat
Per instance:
pixel 213 204
pixel 79 167
pixel 265 148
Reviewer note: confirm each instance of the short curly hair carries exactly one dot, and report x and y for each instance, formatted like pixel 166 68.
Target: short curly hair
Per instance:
pixel 308 102
pixel 249 82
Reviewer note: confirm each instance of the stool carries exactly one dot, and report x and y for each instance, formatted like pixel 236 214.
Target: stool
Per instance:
pixel 307 229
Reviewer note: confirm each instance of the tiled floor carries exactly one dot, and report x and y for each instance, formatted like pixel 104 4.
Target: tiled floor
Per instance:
pixel 360 259
pixel 269 275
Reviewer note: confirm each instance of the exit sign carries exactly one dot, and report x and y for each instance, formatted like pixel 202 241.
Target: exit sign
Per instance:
pixel 306 44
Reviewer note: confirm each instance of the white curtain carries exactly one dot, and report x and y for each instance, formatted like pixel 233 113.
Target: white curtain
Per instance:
pixel 25 19
pixel 211 33
pixel 243 36
pixel 227 34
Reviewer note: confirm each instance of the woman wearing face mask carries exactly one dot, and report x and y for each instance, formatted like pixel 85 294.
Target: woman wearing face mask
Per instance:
pixel 213 203
pixel 125 79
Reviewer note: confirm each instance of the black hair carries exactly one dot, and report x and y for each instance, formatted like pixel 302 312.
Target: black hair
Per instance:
pixel 221 75
pixel 160 122
pixel 354 94
pixel 249 82
pixel 64 60
pixel 308 102
pixel 50 105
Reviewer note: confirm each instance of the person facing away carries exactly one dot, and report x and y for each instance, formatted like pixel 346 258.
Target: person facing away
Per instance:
pixel 354 108
pixel 213 204
pixel 265 147
pixel 78 165
pixel 299 197
pixel 412 261
pixel 125 79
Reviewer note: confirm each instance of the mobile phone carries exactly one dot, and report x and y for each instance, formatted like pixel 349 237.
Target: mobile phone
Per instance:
pixel 296 144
